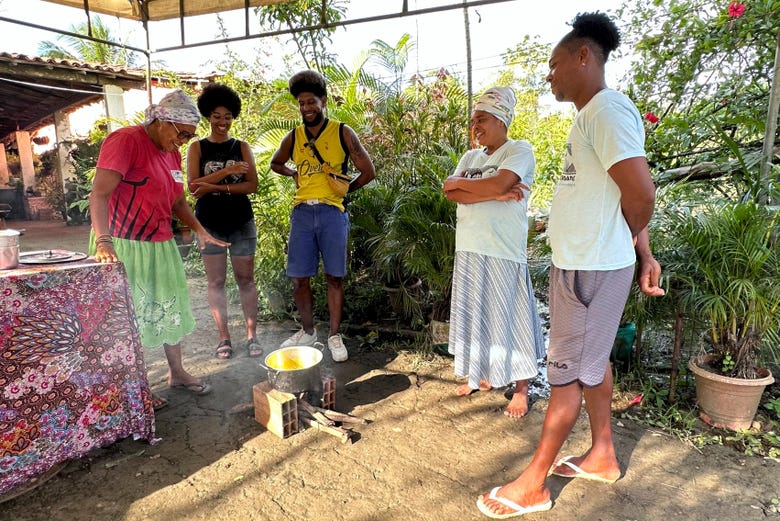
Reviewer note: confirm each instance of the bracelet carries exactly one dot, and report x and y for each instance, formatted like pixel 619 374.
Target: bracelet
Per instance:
pixel 104 238
pixel 228 189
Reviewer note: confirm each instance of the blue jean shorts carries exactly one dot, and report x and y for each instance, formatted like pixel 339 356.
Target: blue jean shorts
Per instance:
pixel 318 230
pixel 243 242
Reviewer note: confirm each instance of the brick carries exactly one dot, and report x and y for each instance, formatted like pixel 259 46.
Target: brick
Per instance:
pixel 275 410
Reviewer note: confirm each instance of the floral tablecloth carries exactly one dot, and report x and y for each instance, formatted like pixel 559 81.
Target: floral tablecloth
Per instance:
pixel 72 375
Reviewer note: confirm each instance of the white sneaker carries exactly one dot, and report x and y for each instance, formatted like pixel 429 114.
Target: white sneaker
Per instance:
pixel 337 348
pixel 301 338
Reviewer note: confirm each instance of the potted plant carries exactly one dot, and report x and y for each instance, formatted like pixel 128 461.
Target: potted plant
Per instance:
pixel 417 247
pixel 724 269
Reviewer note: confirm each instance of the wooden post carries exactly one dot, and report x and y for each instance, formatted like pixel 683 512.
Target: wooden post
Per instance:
pixel 771 118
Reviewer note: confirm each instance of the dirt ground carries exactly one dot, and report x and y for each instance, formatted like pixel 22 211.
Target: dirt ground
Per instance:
pixel 426 454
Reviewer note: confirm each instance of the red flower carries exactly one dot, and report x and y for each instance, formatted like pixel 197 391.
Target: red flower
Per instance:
pixel 736 9
pixel 652 118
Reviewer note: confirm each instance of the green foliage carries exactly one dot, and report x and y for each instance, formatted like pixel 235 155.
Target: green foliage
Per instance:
pixel 723 264
pixel 657 413
pixel 79 49
pixel 774 406
pixel 679 420
pixel 83 157
pixel 271 205
pixel 393 59
pixel 425 121
pixel 696 67
pixel 756 443
pixel 311 21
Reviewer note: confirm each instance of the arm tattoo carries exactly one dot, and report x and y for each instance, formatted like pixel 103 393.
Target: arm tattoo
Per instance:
pixel 356 149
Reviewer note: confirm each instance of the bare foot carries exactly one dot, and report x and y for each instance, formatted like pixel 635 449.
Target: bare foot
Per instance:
pixel 465 390
pixel 518 405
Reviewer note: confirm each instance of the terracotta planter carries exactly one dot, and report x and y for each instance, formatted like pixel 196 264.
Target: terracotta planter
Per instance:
pixel 726 402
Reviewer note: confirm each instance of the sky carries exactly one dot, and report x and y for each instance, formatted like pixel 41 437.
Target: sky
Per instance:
pixel 439 37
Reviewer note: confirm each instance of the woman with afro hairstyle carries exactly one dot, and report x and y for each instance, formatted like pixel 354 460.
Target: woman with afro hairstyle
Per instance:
pixel 221 173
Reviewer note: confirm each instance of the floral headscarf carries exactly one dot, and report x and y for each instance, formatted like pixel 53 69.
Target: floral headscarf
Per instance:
pixel 498 101
pixel 176 107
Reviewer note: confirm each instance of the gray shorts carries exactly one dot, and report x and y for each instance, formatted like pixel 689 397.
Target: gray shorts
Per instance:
pixel 585 312
pixel 243 242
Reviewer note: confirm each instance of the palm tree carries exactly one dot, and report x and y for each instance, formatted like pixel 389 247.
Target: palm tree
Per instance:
pixel 393 58
pixel 70 47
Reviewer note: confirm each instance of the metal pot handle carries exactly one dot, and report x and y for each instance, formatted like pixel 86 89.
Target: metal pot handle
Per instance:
pixel 272 373
pixel 321 347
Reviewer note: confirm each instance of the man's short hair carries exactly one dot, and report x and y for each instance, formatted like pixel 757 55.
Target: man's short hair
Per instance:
pixel 308 81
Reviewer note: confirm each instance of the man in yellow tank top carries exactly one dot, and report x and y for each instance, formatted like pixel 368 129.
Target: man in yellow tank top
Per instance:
pixel 319 149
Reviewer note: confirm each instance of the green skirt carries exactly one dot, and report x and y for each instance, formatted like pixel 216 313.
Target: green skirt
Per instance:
pixel 159 288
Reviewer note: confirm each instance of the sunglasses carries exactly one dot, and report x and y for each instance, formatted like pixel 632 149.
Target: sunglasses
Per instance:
pixel 181 135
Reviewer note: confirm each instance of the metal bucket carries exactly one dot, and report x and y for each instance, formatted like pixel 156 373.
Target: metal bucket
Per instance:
pixel 295 369
pixel 9 249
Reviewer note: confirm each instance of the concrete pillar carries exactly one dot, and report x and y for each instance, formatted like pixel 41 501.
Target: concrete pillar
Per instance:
pixel 5 175
pixel 64 137
pixel 115 106
pixel 25 158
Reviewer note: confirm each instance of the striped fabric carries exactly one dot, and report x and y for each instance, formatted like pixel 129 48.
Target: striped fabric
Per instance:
pixel 495 332
pixel 585 312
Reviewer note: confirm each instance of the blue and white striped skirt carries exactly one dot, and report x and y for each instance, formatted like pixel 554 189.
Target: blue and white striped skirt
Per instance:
pixel 495 331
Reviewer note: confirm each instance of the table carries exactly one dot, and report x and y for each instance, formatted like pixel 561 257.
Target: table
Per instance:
pixel 72 375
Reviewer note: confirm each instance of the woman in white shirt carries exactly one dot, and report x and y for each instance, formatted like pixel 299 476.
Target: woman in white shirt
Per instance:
pixel 495 331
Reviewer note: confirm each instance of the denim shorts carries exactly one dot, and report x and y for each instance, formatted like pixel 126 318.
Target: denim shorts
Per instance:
pixel 318 230
pixel 243 242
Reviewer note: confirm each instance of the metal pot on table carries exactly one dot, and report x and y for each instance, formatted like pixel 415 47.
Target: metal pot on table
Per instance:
pixel 9 249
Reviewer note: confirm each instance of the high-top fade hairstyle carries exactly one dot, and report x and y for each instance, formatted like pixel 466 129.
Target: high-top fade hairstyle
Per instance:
pixel 308 81
pixel 216 95
pixel 597 28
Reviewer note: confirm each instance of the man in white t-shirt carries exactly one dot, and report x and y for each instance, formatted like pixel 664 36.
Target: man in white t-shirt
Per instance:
pixel 598 231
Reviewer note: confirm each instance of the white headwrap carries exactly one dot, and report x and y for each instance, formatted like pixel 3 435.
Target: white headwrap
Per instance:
pixel 498 101
pixel 175 106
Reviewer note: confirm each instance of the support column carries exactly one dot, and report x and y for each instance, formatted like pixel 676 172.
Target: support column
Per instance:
pixel 26 158
pixel 115 106
pixel 66 175
pixel 5 175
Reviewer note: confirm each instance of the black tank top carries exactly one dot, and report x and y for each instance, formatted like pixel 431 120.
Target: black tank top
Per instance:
pixel 220 211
